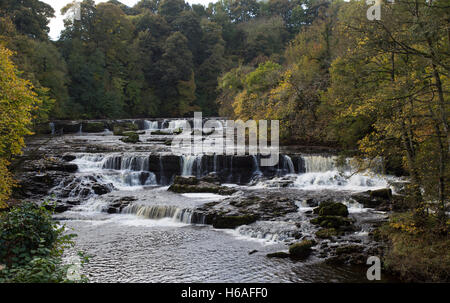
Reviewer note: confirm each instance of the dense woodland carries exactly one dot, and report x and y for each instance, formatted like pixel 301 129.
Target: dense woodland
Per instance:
pixel 331 76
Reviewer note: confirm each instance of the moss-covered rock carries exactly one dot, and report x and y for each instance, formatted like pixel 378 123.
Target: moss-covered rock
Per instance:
pixel 119 129
pixel 279 254
pixel 332 221
pixel 177 131
pixel 130 137
pixel 233 221
pixel 326 233
pixel 349 249
pixel 93 127
pixel 329 208
pixel 186 180
pixel 301 250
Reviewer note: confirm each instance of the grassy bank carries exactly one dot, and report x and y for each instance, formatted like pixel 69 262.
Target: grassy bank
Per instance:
pixel 416 253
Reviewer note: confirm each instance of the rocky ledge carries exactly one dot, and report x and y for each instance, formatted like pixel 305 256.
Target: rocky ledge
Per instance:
pixel 207 184
pixel 240 210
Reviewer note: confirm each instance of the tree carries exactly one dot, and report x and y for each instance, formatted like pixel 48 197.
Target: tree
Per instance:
pixel 30 17
pixel 17 102
pixel 395 72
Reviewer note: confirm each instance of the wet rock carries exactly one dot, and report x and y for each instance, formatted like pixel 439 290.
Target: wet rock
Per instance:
pixel 374 198
pixel 130 137
pixel 301 250
pixel 332 222
pixel 311 202
pixel 233 221
pixel 160 132
pixel 266 207
pixel 68 158
pixel 93 127
pixel 329 208
pixel 119 128
pixel 348 254
pixel 384 193
pixel 194 185
pixel 186 180
pixel 279 254
pixel 326 233
pixel 101 189
pixel 349 249
pixel 67 127
pixel 118 205
pixel 252 252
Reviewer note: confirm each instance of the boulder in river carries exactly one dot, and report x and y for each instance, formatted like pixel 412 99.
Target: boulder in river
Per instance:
pixel 374 198
pixel 118 205
pixel 130 137
pixel 279 254
pixel 329 208
pixel 301 250
pixel 332 222
pixel 326 233
pixel 233 221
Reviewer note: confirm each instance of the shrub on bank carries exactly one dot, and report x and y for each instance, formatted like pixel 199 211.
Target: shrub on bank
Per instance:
pixel 32 245
pixel 417 253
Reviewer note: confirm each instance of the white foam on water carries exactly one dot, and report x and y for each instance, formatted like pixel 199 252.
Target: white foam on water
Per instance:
pixel 206 196
pixel 132 220
pixel 336 180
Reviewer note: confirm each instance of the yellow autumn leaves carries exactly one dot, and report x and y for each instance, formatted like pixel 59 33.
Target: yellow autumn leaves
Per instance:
pixel 17 102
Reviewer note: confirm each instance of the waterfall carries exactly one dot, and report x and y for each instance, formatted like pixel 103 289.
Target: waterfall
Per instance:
pixel 80 131
pixel 319 163
pixel 188 163
pixel 256 170
pixel 162 179
pixel 175 124
pixel 52 128
pixel 155 212
pixel 135 163
pixel 288 165
pixel 198 160
pixel 151 125
pixel 322 172
pixel 215 163
pixel 122 171
pixel 230 176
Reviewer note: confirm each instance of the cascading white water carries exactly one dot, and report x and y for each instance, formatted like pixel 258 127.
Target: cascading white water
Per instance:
pixel 188 164
pixel 52 128
pixel 150 125
pixel 176 124
pixel 156 212
pixel 256 170
pixel 319 163
pixel 267 231
pixel 288 165
pixel 122 171
pixel 321 172
pixel 199 165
